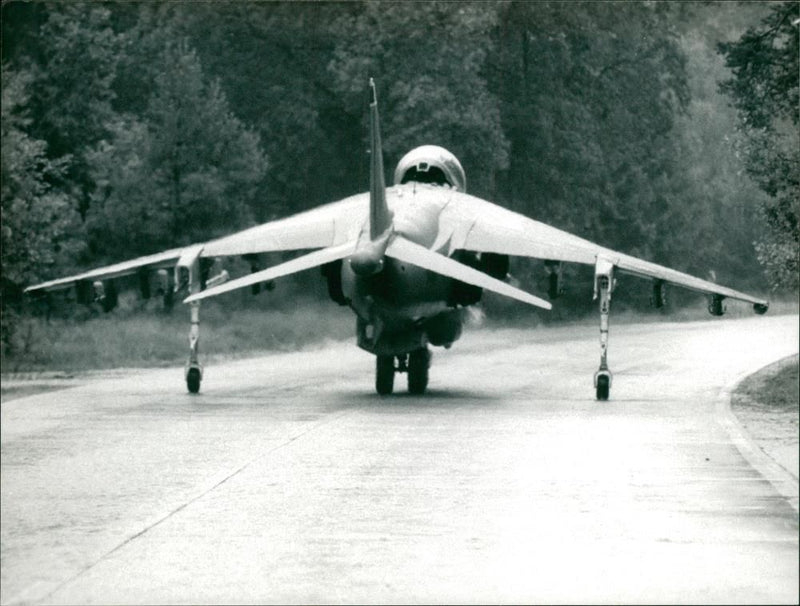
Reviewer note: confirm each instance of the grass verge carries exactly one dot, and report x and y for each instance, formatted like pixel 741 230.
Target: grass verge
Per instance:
pixel 775 388
pixel 138 338
pixel 767 404
pixel 155 340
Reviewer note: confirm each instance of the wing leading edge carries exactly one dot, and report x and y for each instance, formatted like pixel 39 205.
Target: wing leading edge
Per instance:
pixel 407 251
pixel 314 259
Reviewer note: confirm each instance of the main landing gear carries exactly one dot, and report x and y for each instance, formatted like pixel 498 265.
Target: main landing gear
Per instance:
pixel 415 363
pixel 603 285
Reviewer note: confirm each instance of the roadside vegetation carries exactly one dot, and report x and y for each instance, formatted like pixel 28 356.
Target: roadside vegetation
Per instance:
pixel 104 341
pixel 148 338
pixel 774 389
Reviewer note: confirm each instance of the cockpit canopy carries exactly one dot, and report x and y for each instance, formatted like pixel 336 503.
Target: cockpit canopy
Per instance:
pixel 431 164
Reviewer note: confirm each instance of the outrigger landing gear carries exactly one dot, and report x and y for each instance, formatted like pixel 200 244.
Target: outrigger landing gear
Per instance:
pixel 416 364
pixel 603 285
pixel 194 370
pixel 188 278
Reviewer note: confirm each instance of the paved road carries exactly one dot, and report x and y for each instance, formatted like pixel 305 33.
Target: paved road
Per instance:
pixel 288 481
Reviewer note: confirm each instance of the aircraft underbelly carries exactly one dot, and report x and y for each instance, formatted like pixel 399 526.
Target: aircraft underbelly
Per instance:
pixel 400 292
pixel 402 308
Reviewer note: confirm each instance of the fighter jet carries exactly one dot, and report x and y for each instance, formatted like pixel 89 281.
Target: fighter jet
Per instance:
pixel 408 260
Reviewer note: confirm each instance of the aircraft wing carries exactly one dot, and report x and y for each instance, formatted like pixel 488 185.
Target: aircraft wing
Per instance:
pixel 473 224
pixel 313 259
pixel 328 225
pixel 161 260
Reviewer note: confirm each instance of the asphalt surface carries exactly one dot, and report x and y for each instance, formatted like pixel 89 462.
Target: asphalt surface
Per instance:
pixel 288 481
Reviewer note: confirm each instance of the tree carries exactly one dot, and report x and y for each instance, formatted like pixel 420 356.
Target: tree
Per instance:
pixel 271 59
pixel 41 229
pixel 589 114
pixel 724 200
pixel 74 65
pixel 428 63
pixel 765 90
pixel 589 95
pixel 182 172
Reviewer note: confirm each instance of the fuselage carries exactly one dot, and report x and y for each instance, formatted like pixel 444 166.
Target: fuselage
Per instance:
pixel 402 307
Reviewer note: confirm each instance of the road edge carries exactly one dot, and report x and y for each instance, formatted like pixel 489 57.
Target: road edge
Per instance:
pixel 784 482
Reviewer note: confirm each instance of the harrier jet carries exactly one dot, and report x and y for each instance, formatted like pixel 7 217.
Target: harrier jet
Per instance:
pixel 407 260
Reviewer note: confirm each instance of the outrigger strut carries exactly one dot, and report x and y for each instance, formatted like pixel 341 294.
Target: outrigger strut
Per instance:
pixel 194 370
pixel 187 275
pixel 603 285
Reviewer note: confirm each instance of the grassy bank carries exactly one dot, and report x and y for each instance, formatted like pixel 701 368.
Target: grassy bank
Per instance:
pixel 767 405
pixel 152 340
pixel 775 388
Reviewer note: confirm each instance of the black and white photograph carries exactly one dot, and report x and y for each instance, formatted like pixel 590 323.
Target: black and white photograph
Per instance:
pixel 400 302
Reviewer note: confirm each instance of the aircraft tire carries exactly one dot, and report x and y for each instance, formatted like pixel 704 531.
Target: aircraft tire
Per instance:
pixel 193 380
pixel 384 374
pixel 418 363
pixel 603 387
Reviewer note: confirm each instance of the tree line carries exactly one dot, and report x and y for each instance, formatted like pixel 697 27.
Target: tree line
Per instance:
pixel 129 128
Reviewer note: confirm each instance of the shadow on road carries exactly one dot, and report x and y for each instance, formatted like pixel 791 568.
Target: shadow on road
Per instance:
pixel 433 398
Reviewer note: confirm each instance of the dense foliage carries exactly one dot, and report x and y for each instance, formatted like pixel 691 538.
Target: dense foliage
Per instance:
pixel 133 127
pixel 764 88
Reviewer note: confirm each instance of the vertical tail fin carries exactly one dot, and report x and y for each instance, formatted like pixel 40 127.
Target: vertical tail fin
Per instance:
pixel 380 218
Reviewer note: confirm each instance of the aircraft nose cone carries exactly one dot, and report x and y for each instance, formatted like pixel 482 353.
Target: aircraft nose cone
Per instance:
pixel 366 262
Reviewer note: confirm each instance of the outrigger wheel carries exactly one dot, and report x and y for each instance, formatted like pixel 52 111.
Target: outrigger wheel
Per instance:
pixel 193 377
pixel 603 383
